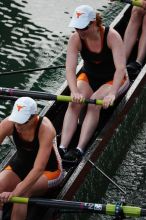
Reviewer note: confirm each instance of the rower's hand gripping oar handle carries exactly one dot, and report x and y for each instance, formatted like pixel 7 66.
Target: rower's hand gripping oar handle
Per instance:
pixel 63 98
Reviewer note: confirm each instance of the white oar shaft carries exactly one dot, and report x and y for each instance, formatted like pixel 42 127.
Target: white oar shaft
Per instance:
pixel 114 183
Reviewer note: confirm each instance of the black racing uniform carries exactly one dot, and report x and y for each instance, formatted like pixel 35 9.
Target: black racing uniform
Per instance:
pixel 99 67
pixel 26 154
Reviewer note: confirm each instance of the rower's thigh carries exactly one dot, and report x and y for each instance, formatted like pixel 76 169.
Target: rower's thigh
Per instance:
pixel 101 92
pixel 137 13
pixel 8 180
pixel 84 88
pixel 40 187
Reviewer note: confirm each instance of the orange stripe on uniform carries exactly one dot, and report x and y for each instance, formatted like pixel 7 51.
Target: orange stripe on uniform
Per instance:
pixel 8 168
pixel 83 77
pixel 111 82
pixel 52 175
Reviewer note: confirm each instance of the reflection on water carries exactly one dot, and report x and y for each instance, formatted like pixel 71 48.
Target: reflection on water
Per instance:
pixel 25 45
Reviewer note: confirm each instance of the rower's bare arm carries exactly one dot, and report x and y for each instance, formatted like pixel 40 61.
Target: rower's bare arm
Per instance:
pixel 116 44
pixel 46 136
pixel 72 61
pixel 144 4
pixel 6 128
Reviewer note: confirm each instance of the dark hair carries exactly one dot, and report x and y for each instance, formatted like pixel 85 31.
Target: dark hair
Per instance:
pixel 98 20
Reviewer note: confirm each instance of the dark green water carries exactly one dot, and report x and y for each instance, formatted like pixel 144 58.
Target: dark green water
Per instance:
pixel 32 38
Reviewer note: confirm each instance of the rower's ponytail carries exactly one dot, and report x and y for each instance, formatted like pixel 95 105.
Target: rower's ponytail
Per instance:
pixel 98 20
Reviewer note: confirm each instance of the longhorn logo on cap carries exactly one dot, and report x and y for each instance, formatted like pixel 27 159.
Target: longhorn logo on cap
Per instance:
pixel 19 107
pixel 78 14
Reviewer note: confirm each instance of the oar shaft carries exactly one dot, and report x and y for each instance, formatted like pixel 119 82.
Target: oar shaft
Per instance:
pixel 44 96
pixel 32 94
pixel 5 97
pixel 31 70
pixel 108 209
pixel 104 174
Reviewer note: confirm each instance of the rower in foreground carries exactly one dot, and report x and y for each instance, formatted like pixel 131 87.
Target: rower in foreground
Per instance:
pixel 37 164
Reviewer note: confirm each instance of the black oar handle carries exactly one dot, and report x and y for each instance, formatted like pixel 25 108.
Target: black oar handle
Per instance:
pixel 44 95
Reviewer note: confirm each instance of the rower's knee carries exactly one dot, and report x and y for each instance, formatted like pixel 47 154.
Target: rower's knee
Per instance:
pixel 74 107
pixel 137 16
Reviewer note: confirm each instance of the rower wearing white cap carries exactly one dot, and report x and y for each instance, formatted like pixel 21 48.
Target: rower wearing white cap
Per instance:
pixel 100 48
pixel 37 165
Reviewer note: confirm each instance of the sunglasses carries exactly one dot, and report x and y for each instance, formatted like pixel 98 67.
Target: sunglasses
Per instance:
pixel 84 29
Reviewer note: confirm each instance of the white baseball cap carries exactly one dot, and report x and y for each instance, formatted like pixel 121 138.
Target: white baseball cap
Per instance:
pixel 23 108
pixel 82 16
